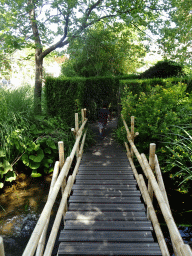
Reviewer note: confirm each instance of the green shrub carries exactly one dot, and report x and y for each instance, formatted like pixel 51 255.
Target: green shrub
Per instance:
pixel 163 69
pixel 26 138
pixel 6 171
pixel 144 85
pixel 158 114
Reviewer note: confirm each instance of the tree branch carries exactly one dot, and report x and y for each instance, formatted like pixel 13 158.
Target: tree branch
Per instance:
pixel 34 26
pixel 64 41
pixel 89 10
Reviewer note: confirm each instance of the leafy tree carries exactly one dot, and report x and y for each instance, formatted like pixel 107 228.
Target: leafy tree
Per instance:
pixel 176 33
pixel 5 63
pixel 48 25
pixel 104 50
pixel 163 69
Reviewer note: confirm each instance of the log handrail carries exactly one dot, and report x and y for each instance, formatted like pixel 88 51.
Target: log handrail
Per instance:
pixel 158 187
pixel 2 252
pixel 37 239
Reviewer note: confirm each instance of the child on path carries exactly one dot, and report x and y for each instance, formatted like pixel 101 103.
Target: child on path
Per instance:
pixel 102 118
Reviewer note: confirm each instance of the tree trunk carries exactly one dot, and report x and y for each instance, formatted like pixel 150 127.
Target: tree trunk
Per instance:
pixel 38 83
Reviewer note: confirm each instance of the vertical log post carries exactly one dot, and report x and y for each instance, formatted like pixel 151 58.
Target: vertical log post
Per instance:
pixel 82 115
pixel 132 133
pixel 61 163
pixel 76 131
pixel 152 165
pixel 85 113
pixel 61 154
pixel 2 252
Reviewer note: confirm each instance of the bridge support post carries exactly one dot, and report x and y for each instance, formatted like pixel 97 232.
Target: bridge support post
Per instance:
pixel 152 149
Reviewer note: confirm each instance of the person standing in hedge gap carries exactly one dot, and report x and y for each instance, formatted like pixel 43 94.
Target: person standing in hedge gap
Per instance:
pixel 102 118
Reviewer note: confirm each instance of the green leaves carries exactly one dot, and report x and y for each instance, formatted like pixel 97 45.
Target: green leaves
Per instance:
pixel 104 50
pixel 10 176
pixel 28 140
pixel 35 174
pixel 5 167
pixel 6 170
pixel 51 144
pixel 38 157
pixel 158 109
pixel 177 31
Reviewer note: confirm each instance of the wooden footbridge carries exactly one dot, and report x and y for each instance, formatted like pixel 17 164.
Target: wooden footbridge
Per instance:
pixel 106 215
pixel 106 206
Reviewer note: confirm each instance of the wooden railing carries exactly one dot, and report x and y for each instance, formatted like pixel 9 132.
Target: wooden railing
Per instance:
pixel 60 181
pixel 156 187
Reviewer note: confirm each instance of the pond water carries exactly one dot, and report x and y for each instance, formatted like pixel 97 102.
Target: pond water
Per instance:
pixel 20 208
pixel 21 205
pixel 186 233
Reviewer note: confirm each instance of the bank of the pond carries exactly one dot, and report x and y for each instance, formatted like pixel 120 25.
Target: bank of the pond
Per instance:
pixel 20 207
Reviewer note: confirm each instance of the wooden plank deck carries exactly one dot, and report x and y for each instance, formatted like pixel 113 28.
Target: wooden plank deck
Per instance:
pixel 106 215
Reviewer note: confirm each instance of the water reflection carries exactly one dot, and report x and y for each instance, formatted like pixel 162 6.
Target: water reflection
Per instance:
pixel 186 233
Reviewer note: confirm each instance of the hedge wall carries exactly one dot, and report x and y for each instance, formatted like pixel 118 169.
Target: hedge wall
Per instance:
pixel 65 96
pixel 61 97
pixel 145 85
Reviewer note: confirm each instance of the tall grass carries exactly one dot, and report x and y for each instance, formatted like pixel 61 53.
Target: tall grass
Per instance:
pixel 28 138
pixel 180 161
pixel 16 114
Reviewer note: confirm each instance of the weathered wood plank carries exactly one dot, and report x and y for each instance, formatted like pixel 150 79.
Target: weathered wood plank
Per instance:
pixel 105 207
pixel 105 200
pixel 104 165
pixel 102 236
pixel 107 216
pixel 107 193
pixel 106 182
pixel 106 248
pixel 108 225
pixel 102 177
pixel 105 187
pixel 105 172
pixel 110 168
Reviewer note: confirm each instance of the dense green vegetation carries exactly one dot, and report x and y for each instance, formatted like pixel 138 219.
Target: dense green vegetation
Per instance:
pixel 105 50
pixel 164 69
pixel 28 142
pixel 163 116
pixel 46 26
pixel 65 96
pixel 105 38
pixel 162 108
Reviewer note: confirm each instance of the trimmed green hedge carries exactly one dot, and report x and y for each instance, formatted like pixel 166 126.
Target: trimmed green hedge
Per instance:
pixel 61 97
pixel 65 96
pixel 136 86
pixel 163 69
